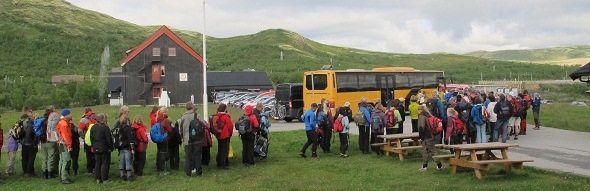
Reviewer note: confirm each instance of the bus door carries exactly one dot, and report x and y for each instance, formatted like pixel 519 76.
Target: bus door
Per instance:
pixel 386 84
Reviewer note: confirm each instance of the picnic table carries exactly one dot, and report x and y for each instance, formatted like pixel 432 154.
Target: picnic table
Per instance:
pixel 393 144
pixel 466 156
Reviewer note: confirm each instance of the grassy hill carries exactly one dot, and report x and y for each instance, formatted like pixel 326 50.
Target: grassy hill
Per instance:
pixel 572 55
pixel 38 36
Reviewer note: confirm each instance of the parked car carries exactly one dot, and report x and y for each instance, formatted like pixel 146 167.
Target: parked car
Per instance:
pixel 289 102
pixel 262 97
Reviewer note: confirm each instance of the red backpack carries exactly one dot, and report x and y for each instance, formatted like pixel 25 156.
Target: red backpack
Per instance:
pixel 391 119
pixel 435 124
pixel 459 126
pixel 338 124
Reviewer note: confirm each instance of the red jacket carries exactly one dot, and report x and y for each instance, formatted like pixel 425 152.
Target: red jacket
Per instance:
pixel 152 119
pixel 207 142
pixel 226 126
pixel 85 122
pixel 253 120
pixel 65 133
pixel 141 136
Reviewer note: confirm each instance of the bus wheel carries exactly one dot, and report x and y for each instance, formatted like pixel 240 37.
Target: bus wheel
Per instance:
pixel 288 119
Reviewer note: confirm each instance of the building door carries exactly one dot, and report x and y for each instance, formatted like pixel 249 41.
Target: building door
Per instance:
pixel 386 85
pixel 156 73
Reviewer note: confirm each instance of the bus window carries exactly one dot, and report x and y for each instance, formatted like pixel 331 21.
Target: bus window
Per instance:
pixel 416 80
pixel 347 82
pixel 320 82
pixel 367 82
pixel 430 80
pixel 401 81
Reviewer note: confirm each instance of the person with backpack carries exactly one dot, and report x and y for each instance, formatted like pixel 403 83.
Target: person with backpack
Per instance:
pixel 342 123
pixel 223 130
pixel 328 127
pixel 503 110
pixel 102 142
pixel 165 128
pixel 514 122
pixel 477 116
pixel 174 146
pixel 311 131
pixel 526 104
pixel 361 118
pixel 29 142
pixel 413 108
pixel 323 122
pixel 427 139
pixel 141 147
pixel 47 148
pixel 464 109
pixel 248 137
pixel 437 109
pixel 378 122
pixel 124 141
pixel 493 117
pixel 75 153
pixel 536 104
pixel 65 145
pixel 206 144
pixel 12 148
pixel 87 120
pixel 261 147
pixel 192 149
pixel 393 118
pixel 455 128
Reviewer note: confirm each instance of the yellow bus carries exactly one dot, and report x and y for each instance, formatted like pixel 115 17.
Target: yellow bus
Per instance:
pixel 388 83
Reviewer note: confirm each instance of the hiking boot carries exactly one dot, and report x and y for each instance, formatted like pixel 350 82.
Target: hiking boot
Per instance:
pixel 521 133
pixel 314 155
pixel 440 168
pixel 66 181
pixel 46 174
pixel 423 169
pixel 98 181
pixel 130 178
pixel 508 138
pixel 515 138
pixel 343 155
pixel 123 178
pixel 536 128
pixel 302 154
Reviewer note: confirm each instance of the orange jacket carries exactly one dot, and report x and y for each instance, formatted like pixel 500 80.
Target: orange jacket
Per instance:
pixel 64 131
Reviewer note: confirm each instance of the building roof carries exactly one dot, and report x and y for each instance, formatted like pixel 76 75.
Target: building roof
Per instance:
pixel 238 80
pixel 583 71
pixel 115 81
pixel 162 31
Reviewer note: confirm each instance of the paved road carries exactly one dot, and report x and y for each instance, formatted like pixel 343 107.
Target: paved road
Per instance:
pixel 551 148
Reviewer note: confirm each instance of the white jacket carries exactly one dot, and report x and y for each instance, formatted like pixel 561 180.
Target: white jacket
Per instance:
pixel 493 116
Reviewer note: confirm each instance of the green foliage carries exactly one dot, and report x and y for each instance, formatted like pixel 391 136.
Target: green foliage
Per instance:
pixel 562 116
pixel 42 38
pixel 536 55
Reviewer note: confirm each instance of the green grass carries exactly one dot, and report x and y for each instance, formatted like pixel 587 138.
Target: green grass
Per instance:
pixel 285 170
pixel 542 55
pixel 562 116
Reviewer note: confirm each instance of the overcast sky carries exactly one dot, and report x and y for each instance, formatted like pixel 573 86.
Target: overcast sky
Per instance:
pixel 457 26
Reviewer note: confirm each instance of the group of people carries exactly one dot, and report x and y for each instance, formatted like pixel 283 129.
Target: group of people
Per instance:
pixel 58 139
pixel 454 117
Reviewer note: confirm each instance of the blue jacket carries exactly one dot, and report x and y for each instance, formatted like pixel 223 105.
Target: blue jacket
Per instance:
pixel 448 96
pixel 536 105
pixel 476 114
pixel 310 121
pixel 441 109
pixel 367 115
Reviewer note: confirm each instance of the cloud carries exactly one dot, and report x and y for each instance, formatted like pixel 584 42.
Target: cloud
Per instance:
pixel 390 26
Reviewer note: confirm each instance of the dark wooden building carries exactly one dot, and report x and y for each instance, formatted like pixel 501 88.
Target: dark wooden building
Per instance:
pixel 163 62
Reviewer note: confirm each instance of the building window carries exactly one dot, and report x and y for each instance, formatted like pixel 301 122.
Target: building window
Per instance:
pixel 162 71
pixel 172 51
pixel 157 92
pixel 155 51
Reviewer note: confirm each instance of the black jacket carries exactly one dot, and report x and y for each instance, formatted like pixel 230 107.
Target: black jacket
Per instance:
pixel 29 139
pixel 102 141
pixel 75 136
pixel 127 137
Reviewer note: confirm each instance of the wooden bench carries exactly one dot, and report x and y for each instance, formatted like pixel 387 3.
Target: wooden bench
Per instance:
pixel 408 148
pixel 378 144
pixel 508 163
pixel 447 158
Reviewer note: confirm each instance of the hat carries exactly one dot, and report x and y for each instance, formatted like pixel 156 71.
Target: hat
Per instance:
pixel 401 99
pixel 347 104
pixel 65 112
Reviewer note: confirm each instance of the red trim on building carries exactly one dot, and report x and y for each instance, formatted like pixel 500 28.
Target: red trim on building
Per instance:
pixel 162 31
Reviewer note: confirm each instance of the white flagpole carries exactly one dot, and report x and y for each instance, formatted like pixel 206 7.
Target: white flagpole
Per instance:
pixel 205 106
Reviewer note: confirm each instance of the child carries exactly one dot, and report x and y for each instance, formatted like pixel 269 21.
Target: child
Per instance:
pixel 342 112
pixel 12 148
pixel 141 147
pixel 427 138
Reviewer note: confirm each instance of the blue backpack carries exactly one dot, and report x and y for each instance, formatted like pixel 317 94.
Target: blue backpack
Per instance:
pixel 37 126
pixel 156 134
pixel 476 115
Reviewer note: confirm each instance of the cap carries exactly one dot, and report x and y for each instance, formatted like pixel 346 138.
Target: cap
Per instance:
pixel 65 112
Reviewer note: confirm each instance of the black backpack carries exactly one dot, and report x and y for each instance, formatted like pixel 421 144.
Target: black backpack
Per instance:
pixel 196 131
pixel 243 125
pixel 463 111
pixel 175 136
pixel 504 112
pixel 116 133
pixel 432 105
